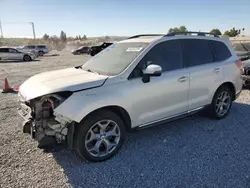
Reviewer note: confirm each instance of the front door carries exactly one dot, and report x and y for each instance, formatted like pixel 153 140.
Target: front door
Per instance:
pixel 14 54
pixel 164 96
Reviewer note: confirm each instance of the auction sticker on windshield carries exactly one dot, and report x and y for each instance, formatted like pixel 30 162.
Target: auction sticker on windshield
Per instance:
pixel 134 49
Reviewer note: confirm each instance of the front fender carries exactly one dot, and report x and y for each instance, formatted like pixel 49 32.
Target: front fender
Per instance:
pixel 80 104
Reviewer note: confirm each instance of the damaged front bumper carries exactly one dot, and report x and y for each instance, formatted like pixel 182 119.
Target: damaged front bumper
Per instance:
pixel 46 131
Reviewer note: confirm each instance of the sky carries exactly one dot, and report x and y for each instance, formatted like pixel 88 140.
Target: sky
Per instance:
pixel 120 17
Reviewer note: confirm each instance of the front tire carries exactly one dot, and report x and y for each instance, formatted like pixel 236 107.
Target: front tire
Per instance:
pixel 27 58
pixel 221 104
pixel 100 136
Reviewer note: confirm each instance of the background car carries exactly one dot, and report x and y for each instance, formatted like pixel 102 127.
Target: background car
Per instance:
pixel 96 49
pixel 242 50
pixel 40 49
pixel 14 54
pixel 80 50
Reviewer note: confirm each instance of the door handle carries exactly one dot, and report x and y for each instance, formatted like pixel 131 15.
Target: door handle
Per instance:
pixel 182 79
pixel 217 70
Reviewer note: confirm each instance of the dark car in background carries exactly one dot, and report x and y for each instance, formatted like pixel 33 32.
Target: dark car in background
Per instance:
pixel 242 50
pixel 96 49
pixel 80 50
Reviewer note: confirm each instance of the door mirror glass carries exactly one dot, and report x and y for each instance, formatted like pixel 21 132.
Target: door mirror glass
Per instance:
pixel 153 70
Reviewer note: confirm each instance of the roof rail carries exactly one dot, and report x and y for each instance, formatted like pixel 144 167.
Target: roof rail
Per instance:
pixel 145 35
pixel 190 32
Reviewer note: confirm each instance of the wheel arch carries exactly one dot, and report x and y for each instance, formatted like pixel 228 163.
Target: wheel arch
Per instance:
pixel 229 85
pixel 118 110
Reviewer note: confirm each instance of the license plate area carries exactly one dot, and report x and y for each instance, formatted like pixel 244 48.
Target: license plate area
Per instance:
pixel 24 111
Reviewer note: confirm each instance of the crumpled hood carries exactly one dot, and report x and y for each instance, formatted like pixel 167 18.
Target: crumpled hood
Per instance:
pixel 70 79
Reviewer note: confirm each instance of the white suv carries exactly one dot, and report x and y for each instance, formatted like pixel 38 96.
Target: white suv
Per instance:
pixel 142 81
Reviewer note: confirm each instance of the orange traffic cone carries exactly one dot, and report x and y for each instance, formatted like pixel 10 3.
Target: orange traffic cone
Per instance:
pixel 7 88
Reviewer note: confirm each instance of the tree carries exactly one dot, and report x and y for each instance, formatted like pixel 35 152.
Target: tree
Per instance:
pixel 63 36
pixel 176 29
pixel 215 31
pixel 54 39
pixel 84 37
pixel 45 37
pixel 232 32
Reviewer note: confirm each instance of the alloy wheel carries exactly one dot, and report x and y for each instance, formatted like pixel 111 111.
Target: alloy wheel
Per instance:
pixel 102 138
pixel 223 103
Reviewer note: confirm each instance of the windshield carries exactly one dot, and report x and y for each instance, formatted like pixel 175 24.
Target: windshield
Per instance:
pixel 240 47
pixel 114 59
pixel 247 46
pixel 80 47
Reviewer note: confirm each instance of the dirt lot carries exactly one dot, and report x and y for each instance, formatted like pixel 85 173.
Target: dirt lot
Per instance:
pixel 193 152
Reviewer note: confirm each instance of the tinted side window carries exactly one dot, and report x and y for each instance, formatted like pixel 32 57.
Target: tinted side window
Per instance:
pixel 4 50
pixel 166 54
pixel 30 47
pixel 41 46
pixel 197 52
pixel 11 50
pixel 221 52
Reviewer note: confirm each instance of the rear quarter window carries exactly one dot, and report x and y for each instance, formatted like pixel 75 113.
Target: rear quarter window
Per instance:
pixel 221 51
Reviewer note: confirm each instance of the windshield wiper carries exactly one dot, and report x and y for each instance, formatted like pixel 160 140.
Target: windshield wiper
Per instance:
pixel 93 71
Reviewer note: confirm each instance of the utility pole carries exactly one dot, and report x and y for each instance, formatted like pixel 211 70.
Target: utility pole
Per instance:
pixel 33 28
pixel 1 29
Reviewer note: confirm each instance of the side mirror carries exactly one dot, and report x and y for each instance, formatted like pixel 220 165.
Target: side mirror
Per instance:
pixel 153 70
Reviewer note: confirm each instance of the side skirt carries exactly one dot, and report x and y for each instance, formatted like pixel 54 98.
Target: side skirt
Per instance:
pixel 168 119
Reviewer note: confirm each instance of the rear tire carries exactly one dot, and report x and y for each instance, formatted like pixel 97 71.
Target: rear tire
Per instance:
pixel 100 136
pixel 221 103
pixel 27 58
pixel 40 53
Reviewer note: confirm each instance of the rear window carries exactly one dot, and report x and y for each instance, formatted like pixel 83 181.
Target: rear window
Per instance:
pixel 197 52
pixel 221 52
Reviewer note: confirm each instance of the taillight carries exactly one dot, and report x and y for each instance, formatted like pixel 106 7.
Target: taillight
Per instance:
pixel 239 64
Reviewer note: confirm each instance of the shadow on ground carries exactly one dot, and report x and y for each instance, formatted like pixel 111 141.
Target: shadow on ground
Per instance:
pixel 192 152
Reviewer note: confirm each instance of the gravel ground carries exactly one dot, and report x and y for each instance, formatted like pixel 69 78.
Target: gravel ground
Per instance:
pixel 192 152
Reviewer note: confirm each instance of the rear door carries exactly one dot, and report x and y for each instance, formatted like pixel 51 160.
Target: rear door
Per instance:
pixel 205 74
